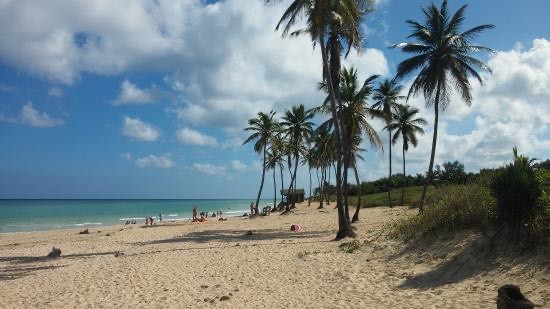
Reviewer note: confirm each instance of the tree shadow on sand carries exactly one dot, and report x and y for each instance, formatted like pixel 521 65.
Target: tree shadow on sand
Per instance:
pixel 21 266
pixel 240 236
pixel 475 258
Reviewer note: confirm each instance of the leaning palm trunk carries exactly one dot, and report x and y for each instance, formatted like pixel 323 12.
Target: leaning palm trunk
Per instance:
pixel 434 142
pixel 356 214
pixel 389 179
pixel 274 189
pixel 297 156
pixel 309 199
pixel 345 184
pixel 262 183
pixel 282 182
pixel 322 188
pixel 405 180
pixel 344 228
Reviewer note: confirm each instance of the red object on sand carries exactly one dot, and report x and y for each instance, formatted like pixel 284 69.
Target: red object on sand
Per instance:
pixel 296 228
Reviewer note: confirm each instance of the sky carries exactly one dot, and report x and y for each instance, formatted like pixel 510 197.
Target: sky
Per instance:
pixel 148 99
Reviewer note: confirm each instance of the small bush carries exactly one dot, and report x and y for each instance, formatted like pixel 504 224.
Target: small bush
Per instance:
pixel 516 190
pixel 450 208
pixel 350 247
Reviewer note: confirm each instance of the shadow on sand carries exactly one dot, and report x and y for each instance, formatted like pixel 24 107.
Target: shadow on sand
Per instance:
pixel 21 266
pixel 476 257
pixel 239 236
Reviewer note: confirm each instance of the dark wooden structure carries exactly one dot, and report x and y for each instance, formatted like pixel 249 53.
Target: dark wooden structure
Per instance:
pixel 294 196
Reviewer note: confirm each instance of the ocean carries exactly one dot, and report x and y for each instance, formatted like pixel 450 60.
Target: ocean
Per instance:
pixel 40 215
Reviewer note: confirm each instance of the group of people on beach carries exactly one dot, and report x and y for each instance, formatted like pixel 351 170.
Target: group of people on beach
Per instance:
pixel 130 222
pixel 204 215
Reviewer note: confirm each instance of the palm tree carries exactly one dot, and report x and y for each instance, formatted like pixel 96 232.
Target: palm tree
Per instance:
pixel 323 143
pixel 298 128
pixel 280 146
pixel 386 96
pixel 341 21
pixel 355 156
pixel 354 113
pixel 406 126
pixel 443 59
pixel 263 127
pixel 274 159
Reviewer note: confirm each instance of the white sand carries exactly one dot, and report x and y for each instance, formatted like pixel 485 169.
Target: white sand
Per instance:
pixel 188 265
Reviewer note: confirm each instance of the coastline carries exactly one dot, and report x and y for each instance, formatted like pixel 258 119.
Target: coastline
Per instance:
pixel 196 264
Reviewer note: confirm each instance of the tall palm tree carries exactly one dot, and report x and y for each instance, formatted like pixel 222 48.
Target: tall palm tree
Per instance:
pixel 354 113
pixel 274 160
pixel 443 59
pixel 297 125
pixel 406 126
pixel 355 156
pixel 340 20
pixel 386 97
pixel 280 145
pixel 263 127
pixel 323 142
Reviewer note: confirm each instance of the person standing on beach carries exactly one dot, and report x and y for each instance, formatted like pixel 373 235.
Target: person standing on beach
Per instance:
pixel 160 217
pixel 195 213
pixel 251 208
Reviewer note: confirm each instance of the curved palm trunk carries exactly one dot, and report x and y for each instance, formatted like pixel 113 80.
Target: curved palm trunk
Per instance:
pixel 322 186
pixel 345 185
pixel 282 181
pixel 262 183
pixel 404 180
pixel 274 189
pixel 327 181
pixel 344 228
pixel 356 214
pixel 432 156
pixel 293 185
pixel 389 179
pixel 309 199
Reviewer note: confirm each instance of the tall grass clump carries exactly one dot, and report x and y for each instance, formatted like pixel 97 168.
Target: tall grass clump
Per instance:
pixel 450 208
pixel 517 190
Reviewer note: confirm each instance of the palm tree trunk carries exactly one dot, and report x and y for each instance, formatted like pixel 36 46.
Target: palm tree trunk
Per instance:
pixel 434 142
pixel 262 183
pixel 344 228
pixel 356 214
pixel 345 184
pixel 322 186
pixel 326 187
pixel 389 179
pixel 309 199
pixel 274 189
pixel 297 156
pixel 282 181
pixel 404 180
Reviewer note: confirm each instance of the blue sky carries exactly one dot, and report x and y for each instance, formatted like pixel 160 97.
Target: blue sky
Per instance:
pixel 148 99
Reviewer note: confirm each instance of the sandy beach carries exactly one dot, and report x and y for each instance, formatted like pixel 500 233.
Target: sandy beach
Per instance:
pixel 215 264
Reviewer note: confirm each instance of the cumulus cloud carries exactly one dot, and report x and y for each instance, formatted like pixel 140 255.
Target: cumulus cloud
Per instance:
pixel 228 171
pixel 222 78
pixel 137 129
pixel 162 161
pixel 511 109
pixel 234 143
pixel 56 92
pixel 193 137
pixel 29 116
pixel 210 169
pixel 131 94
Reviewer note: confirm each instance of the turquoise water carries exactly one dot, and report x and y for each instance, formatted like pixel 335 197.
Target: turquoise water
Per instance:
pixel 38 215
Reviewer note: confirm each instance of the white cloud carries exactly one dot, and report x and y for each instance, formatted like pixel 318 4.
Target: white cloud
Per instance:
pixel 512 109
pixel 238 166
pixel 56 92
pixel 162 161
pixel 193 137
pixel 131 94
pixel 29 116
pixel 234 143
pixel 222 78
pixel 210 169
pixel 127 156
pixel 143 131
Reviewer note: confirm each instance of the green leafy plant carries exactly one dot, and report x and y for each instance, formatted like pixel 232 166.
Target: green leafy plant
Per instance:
pixel 516 190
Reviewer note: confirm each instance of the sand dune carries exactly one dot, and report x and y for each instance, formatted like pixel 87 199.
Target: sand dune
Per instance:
pixel 216 264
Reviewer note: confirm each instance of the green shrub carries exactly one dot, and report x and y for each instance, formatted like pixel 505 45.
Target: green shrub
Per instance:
pixel 516 190
pixel 449 208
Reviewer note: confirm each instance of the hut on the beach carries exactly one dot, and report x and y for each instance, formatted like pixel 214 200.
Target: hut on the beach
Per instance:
pixel 294 195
